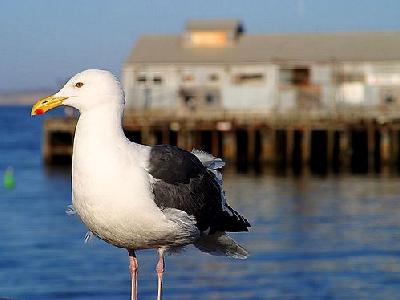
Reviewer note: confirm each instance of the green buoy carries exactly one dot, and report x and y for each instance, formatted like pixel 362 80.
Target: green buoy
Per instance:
pixel 8 179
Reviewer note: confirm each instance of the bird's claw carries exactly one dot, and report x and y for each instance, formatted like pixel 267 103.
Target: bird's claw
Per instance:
pixel 89 236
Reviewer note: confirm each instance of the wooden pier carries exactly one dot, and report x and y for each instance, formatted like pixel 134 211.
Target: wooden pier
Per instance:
pixel 361 141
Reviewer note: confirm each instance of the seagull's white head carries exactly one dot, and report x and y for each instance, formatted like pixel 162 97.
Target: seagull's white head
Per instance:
pixel 84 91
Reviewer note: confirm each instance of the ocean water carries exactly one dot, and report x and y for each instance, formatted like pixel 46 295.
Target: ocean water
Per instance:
pixel 336 237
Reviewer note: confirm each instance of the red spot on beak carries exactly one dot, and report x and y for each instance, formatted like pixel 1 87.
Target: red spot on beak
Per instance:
pixel 39 111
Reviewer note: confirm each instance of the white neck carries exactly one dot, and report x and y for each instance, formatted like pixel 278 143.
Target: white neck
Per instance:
pixel 99 139
pixel 103 123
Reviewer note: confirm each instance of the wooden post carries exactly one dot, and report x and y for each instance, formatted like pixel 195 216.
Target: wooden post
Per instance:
pixel 306 145
pixel 251 143
pixel 214 142
pixel 182 138
pixel 329 147
pixel 395 147
pixel 289 145
pixel 190 140
pixel 152 140
pixel 165 134
pixel 344 147
pixel 229 146
pixel 145 135
pixel 385 145
pixel 268 145
pixel 371 146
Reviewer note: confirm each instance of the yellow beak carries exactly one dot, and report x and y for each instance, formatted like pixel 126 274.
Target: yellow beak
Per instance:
pixel 46 104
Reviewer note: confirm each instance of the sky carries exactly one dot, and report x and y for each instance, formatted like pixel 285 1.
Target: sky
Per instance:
pixel 44 42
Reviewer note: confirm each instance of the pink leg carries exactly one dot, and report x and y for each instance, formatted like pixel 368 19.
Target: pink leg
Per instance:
pixel 160 270
pixel 133 269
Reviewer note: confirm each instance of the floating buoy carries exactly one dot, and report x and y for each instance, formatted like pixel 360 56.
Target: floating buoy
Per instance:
pixel 8 179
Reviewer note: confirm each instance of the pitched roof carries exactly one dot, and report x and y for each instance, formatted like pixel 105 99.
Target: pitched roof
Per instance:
pixel 250 48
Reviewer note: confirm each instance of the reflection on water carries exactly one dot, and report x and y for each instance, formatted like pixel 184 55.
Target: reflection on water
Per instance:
pixel 312 238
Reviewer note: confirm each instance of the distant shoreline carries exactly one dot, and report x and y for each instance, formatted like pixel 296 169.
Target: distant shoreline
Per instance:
pixel 14 104
pixel 22 98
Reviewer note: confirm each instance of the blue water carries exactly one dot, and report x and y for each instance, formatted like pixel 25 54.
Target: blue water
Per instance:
pixel 312 238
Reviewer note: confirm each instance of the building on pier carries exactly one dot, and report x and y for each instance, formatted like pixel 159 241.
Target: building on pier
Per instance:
pixel 216 64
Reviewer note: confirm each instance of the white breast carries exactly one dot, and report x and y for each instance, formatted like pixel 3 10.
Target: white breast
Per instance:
pixel 113 197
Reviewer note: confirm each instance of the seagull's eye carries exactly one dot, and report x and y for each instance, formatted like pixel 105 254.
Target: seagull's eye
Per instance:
pixel 79 84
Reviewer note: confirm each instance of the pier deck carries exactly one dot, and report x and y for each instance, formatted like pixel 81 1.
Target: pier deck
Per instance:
pixel 359 139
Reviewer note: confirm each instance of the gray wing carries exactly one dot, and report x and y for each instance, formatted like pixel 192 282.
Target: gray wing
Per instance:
pixel 183 182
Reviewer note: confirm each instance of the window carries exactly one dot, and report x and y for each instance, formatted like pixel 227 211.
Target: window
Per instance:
pixel 389 99
pixel 295 76
pixel 350 77
pixel 389 95
pixel 141 79
pixel 301 76
pixel 213 77
pixel 246 78
pixel 157 80
pixel 210 98
pixel 188 98
pixel 190 101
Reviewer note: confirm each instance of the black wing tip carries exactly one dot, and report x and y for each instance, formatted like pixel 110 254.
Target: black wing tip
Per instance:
pixel 243 228
pixel 235 223
pixel 246 224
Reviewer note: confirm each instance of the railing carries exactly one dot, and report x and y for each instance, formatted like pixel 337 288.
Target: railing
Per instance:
pixel 380 113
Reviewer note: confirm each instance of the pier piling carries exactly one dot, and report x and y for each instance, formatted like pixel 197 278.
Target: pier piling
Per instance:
pixel 362 146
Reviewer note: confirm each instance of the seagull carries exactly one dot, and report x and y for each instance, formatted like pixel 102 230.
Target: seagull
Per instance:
pixel 135 196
